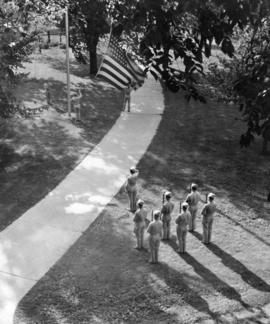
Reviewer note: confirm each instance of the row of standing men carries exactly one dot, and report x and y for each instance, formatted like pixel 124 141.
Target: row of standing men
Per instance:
pixel 160 226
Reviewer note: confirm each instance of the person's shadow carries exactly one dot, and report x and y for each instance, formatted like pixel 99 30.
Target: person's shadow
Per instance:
pixel 178 285
pixel 229 261
pixel 218 284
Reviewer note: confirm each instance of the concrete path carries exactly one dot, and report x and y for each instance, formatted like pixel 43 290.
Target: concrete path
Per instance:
pixel 31 245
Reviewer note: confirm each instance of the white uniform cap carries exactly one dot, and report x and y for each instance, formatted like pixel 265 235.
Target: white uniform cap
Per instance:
pixel 211 195
pixel 168 194
pixel 156 212
pixel 140 202
pixel 194 185
pixel 185 204
pixel 132 168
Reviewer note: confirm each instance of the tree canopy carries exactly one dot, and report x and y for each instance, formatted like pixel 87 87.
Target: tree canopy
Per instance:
pixel 186 30
pixel 253 83
pixel 157 32
pixel 15 47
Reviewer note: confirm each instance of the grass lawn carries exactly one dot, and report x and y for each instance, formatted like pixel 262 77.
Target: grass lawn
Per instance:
pixel 38 152
pixel 103 279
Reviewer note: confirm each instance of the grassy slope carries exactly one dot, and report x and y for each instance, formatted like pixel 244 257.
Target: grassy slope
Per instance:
pixel 102 279
pixel 37 153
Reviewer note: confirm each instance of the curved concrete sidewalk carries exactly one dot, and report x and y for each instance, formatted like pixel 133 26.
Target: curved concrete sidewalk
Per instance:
pixel 32 244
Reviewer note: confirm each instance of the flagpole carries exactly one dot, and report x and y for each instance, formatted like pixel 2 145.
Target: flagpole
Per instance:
pixel 67 62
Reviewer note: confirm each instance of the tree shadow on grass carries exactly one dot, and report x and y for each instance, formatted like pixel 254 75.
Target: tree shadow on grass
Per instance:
pixel 103 262
pixel 205 139
pixel 38 153
pixel 200 143
pixel 76 68
pixel 102 278
pixel 259 238
pixel 100 104
pixel 34 161
pixel 235 265
pixel 33 90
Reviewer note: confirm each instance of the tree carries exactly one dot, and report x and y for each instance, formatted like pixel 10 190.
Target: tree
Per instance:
pixel 88 21
pixel 253 84
pixel 245 79
pixel 15 47
pixel 186 30
pixel 169 30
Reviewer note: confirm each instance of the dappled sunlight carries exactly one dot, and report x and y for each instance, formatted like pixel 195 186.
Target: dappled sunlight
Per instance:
pixel 98 199
pixel 37 237
pixel 80 208
pixel 12 289
pixel 96 319
pixel 8 306
pixel 3 256
pixel 156 158
pixel 102 268
pixel 157 284
pixel 98 165
pixel 187 171
pixel 52 144
pixel 55 223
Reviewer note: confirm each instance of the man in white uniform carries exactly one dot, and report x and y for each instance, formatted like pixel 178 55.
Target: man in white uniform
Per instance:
pixel 140 223
pixel 166 216
pixel 193 199
pixel 182 222
pixel 155 233
pixel 208 216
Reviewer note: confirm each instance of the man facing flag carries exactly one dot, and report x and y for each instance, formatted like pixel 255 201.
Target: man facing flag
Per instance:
pixel 118 68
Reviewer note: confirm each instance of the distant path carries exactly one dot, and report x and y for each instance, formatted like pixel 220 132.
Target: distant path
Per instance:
pixel 32 244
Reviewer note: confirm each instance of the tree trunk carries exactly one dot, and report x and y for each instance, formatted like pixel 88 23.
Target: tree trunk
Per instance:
pixel 93 60
pixel 49 37
pixel 264 146
pixel 266 137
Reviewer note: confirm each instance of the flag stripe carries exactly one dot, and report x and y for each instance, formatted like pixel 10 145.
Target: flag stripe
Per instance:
pixel 155 70
pixel 117 65
pixel 138 79
pixel 135 76
pixel 113 65
pixel 139 72
pixel 110 79
pixel 114 75
pixel 118 69
pixel 136 69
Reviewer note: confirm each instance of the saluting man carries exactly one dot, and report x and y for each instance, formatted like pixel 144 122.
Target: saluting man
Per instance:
pixel 155 233
pixel 182 222
pixel 131 188
pixel 193 199
pixel 140 223
pixel 166 217
pixel 208 216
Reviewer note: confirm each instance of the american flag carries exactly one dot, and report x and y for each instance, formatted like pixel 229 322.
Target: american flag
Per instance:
pixel 118 69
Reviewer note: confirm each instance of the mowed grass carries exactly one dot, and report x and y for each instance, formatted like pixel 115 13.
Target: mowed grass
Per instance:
pixel 103 279
pixel 38 152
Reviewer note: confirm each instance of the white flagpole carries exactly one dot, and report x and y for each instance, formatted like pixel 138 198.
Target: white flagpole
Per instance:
pixel 67 63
